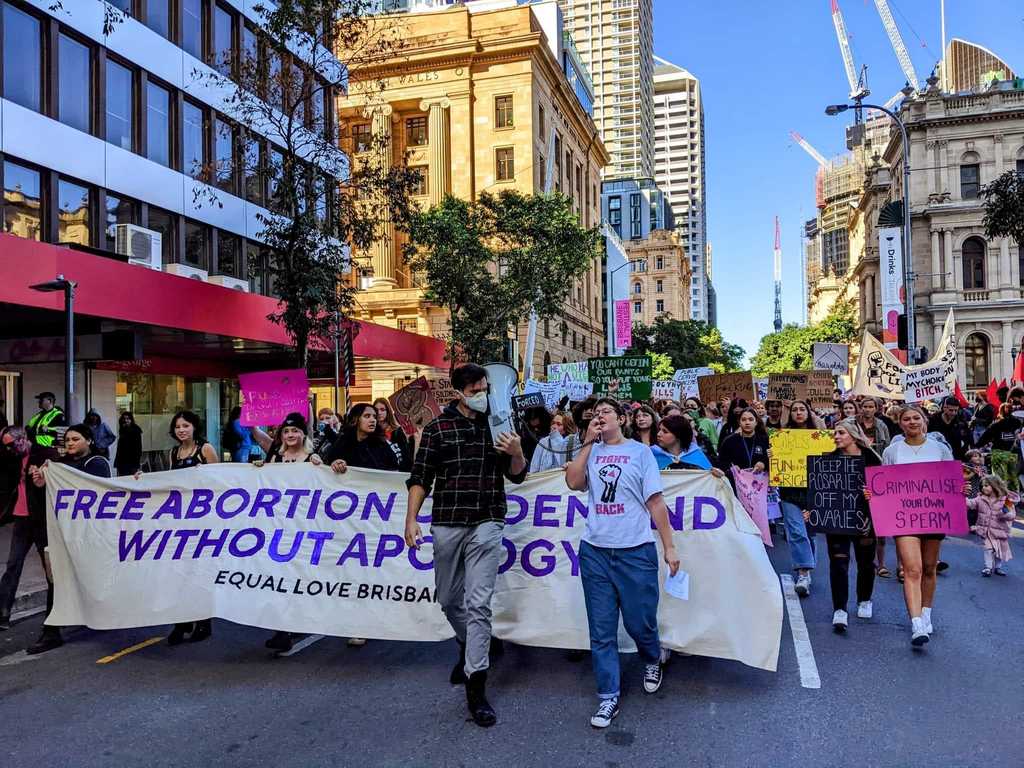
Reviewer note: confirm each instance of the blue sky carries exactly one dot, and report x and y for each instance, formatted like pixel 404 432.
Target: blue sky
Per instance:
pixel 767 68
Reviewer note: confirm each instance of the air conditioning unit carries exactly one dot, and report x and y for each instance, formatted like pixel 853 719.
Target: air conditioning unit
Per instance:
pixel 184 270
pixel 142 246
pixel 234 283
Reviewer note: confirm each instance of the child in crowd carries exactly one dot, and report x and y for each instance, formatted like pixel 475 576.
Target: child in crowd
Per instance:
pixel 996 512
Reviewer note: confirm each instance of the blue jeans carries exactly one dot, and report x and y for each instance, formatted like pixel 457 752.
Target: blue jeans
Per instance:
pixel 801 545
pixel 620 581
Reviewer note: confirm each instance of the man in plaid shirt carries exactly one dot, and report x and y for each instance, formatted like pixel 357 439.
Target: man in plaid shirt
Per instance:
pixel 467 471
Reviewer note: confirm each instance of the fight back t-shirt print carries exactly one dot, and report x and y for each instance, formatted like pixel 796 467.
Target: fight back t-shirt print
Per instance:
pixel 620 479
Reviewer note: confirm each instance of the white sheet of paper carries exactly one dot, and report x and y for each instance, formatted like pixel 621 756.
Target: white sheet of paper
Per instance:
pixel 679 585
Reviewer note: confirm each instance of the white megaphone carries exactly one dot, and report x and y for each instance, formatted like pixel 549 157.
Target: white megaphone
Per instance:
pixel 502 380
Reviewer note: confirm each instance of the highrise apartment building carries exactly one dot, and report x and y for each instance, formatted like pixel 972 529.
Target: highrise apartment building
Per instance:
pixel 615 40
pixel 679 171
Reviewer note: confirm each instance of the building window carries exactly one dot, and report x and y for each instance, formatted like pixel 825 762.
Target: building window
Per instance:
pixel 73 213
pixel 976 361
pixel 504 164
pixel 637 288
pixel 638 307
pixel 253 171
pixel 416 131
pixel 120 90
pixel 659 306
pixel 659 286
pixel 163 222
pixel 973 251
pixel 970 175
pixel 192 27
pixel 23 58
pixel 158 124
pixel 224 144
pixel 193 140
pixel 503 112
pixel 22 200
pixel 541 126
pixel 197 244
pixel 361 137
pixel 158 17
pixel 223 42
pixel 542 165
pixel 227 255
pixel 659 262
pixel 119 211
pixel 422 184
pixel 75 86
pixel 275 169
pixel 1020 167
pixel 615 214
pixel 547 325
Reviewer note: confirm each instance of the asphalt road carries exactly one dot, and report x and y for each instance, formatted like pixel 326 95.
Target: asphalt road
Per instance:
pixel 227 702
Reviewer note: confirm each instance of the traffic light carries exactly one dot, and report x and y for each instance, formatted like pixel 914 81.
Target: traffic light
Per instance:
pixel 901 331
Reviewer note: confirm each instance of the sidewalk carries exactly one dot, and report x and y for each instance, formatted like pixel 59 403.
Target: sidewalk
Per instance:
pixel 32 588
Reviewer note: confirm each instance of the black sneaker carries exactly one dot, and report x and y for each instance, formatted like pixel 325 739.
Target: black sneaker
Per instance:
pixel 607 711
pixel 653 676
pixel 5 623
pixel 282 642
pixel 941 566
pixel 177 635
pixel 48 640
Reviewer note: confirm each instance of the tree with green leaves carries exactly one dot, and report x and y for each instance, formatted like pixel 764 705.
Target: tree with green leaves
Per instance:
pixel 321 207
pixel 792 348
pixel 490 260
pixel 688 344
pixel 1004 207
pixel 661 366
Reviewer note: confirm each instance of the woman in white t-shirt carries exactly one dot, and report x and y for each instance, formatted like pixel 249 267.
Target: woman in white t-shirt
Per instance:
pixel 918 555
pixel 618 558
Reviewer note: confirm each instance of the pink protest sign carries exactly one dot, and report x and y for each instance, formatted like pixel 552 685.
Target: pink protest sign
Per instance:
pixel 912 499
pixel 752 491
pixel 268 397
pixel 623 325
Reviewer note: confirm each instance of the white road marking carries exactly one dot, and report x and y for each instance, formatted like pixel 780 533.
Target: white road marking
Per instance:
pixel 16 658
pixel 304 643
pixel 801 640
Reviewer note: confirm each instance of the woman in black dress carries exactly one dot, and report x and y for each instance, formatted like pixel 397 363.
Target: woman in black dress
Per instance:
pixel 128 459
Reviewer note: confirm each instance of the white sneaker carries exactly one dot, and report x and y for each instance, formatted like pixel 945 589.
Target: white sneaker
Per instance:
pixel 926 619
pixel 356 642
pixel 803 585
pixel 865 610
pixel 839 619
pixel 918 636
pixel 607 711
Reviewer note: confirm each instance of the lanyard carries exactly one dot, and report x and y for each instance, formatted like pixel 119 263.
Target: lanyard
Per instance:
pixel 750 450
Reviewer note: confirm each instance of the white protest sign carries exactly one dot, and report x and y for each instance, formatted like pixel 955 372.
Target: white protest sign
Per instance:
pixel 937 377
pixel 572 380
pixel 832 357
pixel 687 379
pixel 879 372
pixel 664 390
pixel 297 547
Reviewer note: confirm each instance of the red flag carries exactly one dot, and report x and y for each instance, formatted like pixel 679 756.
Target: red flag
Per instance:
pixel 959 395
pixel 1018 368
pixel 991 395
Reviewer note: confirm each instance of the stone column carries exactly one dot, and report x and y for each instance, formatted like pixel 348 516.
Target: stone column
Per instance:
pixel 1005 278
pixel 440 148
pixel 872 306
pixel 384 263
pixel 944 162
pixel 953 277
pixel 1007 346
pixel 993 278
pixel 936 261
pixel 998 142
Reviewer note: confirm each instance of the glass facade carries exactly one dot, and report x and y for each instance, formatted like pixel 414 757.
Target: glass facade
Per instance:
pixel 158 124
pixel 193 145
pixel 72 213
pixel 22 201
pixel 192 27
pixel 23 58
pixel 119 105
pixel 75 86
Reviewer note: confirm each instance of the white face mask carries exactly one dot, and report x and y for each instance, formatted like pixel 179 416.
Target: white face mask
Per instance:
pixel 477 402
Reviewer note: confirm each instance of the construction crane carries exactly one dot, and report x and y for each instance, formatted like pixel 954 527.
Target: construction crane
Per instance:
pixel 819 158
pixel 858 85
pixel 897 43
pixel 777 259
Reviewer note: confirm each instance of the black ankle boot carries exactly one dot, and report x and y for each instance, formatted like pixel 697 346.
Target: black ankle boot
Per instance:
pixel 458 676
pixel 48 640
pixel 203 630
pixel 177 636
pixel 282 642
pixel 476 699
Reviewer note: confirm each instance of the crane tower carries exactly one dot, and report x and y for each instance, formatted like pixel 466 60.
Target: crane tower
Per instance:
pixel 777 257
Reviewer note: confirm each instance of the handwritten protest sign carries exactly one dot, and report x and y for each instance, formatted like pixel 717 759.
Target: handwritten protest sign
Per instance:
pixel 268 397
pixel 835 490
pixel 790 449
pixel 834 358
pixel 664 390
pixel 687 379
pixel 761 387
pixel 752 491
pixel 443 391
pixel 791 385
pixel 912 499
pixel 937 377
pixel 820 388
pixel 730 385
pixel 522 403
pixel 626 376
pixel 414 405
pixel 572 380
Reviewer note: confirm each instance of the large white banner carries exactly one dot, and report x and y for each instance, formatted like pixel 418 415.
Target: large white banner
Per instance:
pixel 299 548
pixel 890 249
pixel 881 374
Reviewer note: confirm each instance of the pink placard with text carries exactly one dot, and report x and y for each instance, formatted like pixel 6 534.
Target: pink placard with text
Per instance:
pixel 915 499
pixel 268 397
pixel 623 325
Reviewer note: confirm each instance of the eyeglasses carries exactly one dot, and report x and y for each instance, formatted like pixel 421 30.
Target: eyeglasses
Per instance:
pixel 605 412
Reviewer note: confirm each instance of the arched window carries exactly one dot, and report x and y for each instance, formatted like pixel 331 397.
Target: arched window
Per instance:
pixel 1020 161
pixel 970 176
pixel 976 361
pixel 973 252
pixel 637 288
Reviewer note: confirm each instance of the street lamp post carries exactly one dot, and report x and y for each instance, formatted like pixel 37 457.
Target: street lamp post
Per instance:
pixel 908 253
pixel 1013 360
pixel 68 287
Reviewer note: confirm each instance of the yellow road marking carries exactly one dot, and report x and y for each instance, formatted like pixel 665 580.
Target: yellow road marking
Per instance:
pixel 130 649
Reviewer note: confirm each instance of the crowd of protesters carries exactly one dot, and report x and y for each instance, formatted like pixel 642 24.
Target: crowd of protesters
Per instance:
pixel 456 462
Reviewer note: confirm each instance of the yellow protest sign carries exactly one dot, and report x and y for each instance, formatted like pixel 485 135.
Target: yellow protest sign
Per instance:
pixel 790 449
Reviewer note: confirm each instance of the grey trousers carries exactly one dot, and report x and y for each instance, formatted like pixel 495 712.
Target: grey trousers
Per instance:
pixel 466 560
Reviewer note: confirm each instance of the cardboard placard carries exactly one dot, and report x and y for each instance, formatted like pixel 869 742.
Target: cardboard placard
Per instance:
pixel 788 386
pixel 790 449
pixel 834 358
pixel 730 385
pixel 820 386
pixel 914 499
pixel 414 405
pixel 443 391
pixel 624 377
pixel 835 492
